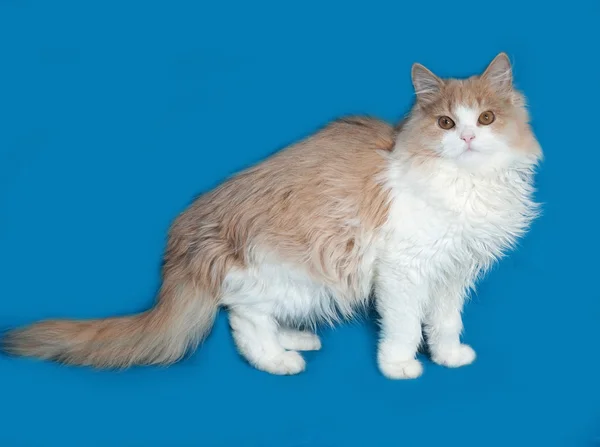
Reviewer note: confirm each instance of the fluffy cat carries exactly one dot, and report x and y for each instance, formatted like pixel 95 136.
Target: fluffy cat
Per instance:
pixel 409 217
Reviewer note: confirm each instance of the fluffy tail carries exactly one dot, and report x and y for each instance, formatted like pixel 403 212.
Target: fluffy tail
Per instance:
pixel 162 335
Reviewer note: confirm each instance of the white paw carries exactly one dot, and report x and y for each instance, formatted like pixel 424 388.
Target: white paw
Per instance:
pixel 407 369
pixel 454 356
pixel 286 363
pixel 299 340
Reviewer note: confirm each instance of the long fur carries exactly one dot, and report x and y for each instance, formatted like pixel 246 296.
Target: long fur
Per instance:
pixel 411 215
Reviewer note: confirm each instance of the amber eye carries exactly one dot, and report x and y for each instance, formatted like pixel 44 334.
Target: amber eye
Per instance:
pixel 486 118
pixel 445 122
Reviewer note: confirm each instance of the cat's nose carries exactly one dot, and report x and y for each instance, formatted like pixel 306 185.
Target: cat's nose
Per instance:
pixel 467 137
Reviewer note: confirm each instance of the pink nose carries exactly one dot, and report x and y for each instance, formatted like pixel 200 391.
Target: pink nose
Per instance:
pixel 467 137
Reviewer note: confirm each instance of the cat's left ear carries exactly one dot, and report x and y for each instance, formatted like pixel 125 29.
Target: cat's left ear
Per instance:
pixel 499 73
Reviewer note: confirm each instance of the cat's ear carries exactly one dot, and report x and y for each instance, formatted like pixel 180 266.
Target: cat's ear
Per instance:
pixel 426 84
pixel 499 73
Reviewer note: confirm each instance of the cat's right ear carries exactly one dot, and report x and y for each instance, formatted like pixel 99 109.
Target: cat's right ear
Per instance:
pixel 426 84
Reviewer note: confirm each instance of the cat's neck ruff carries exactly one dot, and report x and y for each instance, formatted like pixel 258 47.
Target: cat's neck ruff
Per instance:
pixel 439 199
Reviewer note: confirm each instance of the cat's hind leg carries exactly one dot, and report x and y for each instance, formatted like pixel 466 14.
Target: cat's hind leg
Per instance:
pixel 298 340
pixel 256 334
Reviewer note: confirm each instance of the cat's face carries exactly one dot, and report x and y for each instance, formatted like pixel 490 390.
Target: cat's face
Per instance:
pixel 477 123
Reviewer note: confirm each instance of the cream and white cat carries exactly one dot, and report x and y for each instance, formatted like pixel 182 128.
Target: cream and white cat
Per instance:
pixel 408 216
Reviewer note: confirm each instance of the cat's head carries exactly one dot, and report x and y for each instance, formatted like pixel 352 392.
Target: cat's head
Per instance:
pixel 478 123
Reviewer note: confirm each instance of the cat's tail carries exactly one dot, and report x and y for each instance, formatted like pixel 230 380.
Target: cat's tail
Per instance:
pixel 182 316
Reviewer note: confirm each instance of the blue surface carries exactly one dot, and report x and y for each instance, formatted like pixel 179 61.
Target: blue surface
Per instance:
pixel 115 114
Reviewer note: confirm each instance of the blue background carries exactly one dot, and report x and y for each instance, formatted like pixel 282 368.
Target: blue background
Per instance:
pixel 115 114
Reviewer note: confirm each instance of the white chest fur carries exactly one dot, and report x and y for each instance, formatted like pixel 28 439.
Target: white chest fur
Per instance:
pixel 451 223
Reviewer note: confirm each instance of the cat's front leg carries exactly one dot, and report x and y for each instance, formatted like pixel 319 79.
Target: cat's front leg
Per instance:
pixel 443 327
pixel 400 298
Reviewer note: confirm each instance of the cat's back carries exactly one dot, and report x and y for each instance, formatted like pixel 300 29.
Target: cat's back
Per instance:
pixel 315 199
pixel 341 162
pixel 349 147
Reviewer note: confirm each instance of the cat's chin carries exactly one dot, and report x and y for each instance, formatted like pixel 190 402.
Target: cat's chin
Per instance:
pixel 475 160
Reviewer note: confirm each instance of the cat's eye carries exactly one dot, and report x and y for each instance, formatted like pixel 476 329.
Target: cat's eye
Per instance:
pixel 486 118
pixel 445 122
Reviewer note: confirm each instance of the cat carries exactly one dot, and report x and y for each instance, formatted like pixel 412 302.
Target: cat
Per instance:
pixel 407 217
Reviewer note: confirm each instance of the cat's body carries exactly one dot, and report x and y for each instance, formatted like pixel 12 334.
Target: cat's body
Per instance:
pixel 359 209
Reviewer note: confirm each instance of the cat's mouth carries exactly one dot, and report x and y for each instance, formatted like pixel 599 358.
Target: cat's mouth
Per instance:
pixel 469 150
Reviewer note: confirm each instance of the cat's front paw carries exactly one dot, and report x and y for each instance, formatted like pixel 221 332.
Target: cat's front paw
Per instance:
pixel 408 369
pixel 454 356
pixel 397 361
pixel 396 367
